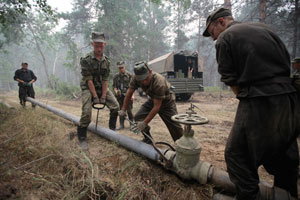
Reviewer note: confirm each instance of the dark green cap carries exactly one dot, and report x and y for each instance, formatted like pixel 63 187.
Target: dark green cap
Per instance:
pixel 296 60
pixel 98 37
pixel 120 63
pixel 141 70
pixel 220 12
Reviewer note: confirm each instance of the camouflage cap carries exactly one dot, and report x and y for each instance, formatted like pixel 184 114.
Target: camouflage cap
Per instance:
pixel 220 12
pixel 98 37
pixel 141 70
pixel 120 63
pixel 296 60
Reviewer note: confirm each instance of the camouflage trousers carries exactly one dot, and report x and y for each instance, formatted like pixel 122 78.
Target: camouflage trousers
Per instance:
pixel 165 113
pixel 86 114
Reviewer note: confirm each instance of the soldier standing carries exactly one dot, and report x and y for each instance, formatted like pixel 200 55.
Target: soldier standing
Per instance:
pixel 121 84
pixel 95 69
pixel 26 78
pixel 255 63
pixel 161 101
pixel 296 67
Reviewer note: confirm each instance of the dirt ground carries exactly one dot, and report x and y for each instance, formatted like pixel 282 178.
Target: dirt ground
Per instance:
pixel 218 107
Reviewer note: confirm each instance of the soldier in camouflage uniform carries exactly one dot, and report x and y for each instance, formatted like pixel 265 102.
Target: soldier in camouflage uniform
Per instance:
pixel 121 84
pixel 161 101
pixel 296 67
pixel 95 69
pixel 296 73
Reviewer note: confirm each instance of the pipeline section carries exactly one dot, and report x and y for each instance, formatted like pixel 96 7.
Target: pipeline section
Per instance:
pixel 129 143
pixel 185 161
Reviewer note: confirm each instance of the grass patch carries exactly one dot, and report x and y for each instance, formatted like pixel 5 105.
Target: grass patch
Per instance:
pixel 42 162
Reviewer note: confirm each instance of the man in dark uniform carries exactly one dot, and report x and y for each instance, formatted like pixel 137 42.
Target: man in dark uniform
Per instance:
pixel 95 69
pixel 255 63
pixel 121 84
pixel 26 78
pixel 161 101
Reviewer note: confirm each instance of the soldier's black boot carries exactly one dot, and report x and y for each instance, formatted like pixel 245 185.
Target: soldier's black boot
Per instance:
pixel 146 139
pixel 121 124
pixel 23 102
pixel 113 120
pixel 81 133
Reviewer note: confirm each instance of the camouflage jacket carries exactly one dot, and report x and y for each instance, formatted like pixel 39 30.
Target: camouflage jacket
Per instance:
pixel 159 88
pixel 296 74
pixel 92 69
pixel 121 81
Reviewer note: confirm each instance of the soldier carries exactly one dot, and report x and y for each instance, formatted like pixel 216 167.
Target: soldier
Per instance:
pixel 296 73
pixel 95 69
pixel 296 67
pixel 255 63
pixel 121 84
pixel 161 101
pixel 26 78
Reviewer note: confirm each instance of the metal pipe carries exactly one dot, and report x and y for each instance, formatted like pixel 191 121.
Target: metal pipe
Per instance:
pixel 203 172
pixel 220 179
pixel 127 142
pixel 266 193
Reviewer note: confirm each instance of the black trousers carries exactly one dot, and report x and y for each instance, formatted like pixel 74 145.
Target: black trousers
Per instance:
pixel 264 133
pixel 26 91
pixel 165 113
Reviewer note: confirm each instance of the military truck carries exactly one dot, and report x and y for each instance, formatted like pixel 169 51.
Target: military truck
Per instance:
pixel 183 69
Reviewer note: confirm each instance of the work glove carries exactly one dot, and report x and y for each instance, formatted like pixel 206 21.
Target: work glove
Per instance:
pixel 28 84
pixel 140 126
pixel 102 100
pixel 96 100
pixel 122 113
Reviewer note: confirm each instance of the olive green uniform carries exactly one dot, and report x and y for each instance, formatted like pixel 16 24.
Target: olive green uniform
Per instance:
pixel 97 71
pixel 296 74
pixel 121 82
pixel 159 88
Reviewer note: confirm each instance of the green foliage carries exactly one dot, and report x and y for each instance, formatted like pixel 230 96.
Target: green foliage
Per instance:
pixel 64 89
pixel 13 17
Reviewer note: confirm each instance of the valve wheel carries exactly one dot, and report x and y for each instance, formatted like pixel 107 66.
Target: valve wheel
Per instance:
pixel 190 119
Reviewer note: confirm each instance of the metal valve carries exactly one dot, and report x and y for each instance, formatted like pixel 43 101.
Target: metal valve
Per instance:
pixel 190 118
pixel 187 147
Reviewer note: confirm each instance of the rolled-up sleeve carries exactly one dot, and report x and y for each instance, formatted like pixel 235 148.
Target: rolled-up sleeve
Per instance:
pixel 133 83
pixel 225 63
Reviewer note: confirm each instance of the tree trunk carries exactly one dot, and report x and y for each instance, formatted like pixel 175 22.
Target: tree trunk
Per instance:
pixel 42 54
pixel 294 51
pixel 262 11
pixel 54 64
pixel 227 4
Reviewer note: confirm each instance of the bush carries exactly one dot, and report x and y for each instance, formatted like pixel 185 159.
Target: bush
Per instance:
pixel 68 91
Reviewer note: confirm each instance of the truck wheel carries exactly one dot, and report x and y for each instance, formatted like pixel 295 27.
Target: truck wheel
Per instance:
pixel 183 96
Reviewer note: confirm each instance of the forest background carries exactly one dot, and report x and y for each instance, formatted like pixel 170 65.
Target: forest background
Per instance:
pixel 135 30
